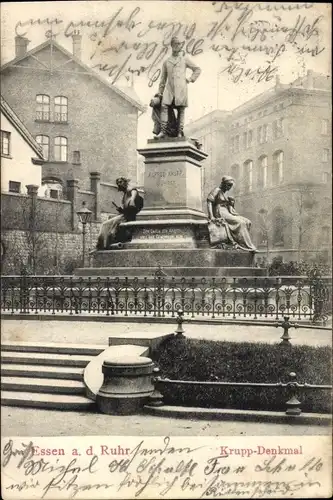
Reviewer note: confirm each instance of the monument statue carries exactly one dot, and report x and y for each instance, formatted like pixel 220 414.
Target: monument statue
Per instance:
pixel 226 226
pixel 110 235
pixel 172 93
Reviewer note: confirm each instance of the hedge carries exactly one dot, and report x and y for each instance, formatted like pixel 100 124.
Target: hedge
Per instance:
pixel 201 360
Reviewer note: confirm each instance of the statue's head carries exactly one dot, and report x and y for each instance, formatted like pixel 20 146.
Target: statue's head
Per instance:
pixel 122 183
pixel 176 45
pixel 227 182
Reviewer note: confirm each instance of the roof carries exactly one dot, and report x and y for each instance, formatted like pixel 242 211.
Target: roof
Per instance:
pixel 217 115
pixel 20 127
pixel 134 101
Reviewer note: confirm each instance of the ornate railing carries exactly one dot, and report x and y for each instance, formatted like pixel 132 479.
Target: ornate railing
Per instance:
pixel 160 296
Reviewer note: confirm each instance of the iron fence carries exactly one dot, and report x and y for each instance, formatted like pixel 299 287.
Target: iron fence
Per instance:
pixel 162 296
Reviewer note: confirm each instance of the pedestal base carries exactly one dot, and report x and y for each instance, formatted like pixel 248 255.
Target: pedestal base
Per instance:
pixel 174 262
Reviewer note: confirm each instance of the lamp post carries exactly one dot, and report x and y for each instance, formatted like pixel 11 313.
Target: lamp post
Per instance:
pixel 84 216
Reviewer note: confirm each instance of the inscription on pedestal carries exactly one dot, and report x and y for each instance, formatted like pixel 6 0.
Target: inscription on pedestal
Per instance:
pixel 165 185
pixel 161 233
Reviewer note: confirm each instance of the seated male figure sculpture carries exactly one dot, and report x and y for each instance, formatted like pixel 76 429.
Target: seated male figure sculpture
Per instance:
pixel 131 205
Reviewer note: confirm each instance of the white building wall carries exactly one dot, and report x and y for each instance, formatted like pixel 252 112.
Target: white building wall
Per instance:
pixel 19 167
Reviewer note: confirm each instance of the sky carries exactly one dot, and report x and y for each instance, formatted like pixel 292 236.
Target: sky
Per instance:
pixel 240 47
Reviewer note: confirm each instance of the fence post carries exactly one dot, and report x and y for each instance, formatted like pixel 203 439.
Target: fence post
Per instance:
pixel 95 187
pixel 180 331
pixel 293 404
pixel 156 398
pixel 286 325
pixel 72 195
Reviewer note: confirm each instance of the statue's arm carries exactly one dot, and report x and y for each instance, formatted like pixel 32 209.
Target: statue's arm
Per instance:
pixel 196 71
pixel 164 75
pixel 134 194
pixel 210 210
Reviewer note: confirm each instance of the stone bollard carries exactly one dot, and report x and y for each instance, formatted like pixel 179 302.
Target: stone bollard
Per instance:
pixel 127 385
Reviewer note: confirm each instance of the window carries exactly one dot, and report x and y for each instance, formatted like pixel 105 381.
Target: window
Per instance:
pixel 262 177
pixel 248 175
pixel 278 226
pixel 14 187
pixel 265 133
pixel 326 178
pixel 325 155
pixel 324 127
pixel 262 134
pixel 259 135
pixel 43 107
pixel 249 138
pixel 278 167
pixel 76 158
pixel 54 193
pixel 278 128
pixel 5 143
pixel 60 109
pixel 245 140
pixel 44 142
pixel 60 149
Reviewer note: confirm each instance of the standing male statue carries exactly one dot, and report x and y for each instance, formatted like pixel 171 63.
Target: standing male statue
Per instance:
pixel 173 87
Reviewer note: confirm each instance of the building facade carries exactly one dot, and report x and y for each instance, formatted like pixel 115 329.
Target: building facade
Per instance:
pixel 211 131
pixel 83 123
pixel 21 156
pixel 279 153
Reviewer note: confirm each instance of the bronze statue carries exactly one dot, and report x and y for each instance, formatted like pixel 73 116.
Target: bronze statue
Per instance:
pixel 226 226
pixel 173 89
pixel 110 235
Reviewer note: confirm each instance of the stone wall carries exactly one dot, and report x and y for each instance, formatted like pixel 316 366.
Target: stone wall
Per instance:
pixel 55 252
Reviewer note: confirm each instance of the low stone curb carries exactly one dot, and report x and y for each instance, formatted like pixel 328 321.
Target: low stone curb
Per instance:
pixel 239 415
pixel 151 319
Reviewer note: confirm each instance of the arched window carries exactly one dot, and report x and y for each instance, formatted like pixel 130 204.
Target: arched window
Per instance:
pixel 60 148
pixel 44 142
pixel 278 168
pixel 60 109
pixel 248 175
pixel 278 226
pixel 42 107
pixel 262 173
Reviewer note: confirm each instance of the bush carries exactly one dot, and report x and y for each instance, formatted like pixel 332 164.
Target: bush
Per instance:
pixel 279 268
pixel 201 360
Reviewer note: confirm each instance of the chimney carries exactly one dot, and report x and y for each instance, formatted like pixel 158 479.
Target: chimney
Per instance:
pixel 76 37
pixel 21 45
pixel 309 79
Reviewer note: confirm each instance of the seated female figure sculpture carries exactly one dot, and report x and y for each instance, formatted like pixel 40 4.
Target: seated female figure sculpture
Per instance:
pixel 131 205
pixel 226 226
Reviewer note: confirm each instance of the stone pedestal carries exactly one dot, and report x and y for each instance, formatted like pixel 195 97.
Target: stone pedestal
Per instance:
pixel 127 385
pixel 172 216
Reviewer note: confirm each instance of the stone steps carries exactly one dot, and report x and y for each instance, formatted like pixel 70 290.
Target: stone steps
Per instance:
pixel 49 401
pixel 42 371
pixel 48 385
pixel 40 359
pixel 45 375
